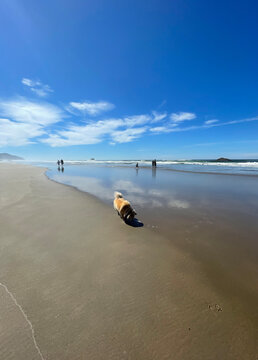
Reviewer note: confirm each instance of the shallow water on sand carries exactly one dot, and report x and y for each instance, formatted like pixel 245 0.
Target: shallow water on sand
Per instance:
pixel 162 197
pixel 163 189
pixel 210 216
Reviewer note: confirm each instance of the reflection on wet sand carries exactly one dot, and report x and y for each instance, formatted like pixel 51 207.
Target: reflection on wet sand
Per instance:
pixel 137 194
pixel 154 171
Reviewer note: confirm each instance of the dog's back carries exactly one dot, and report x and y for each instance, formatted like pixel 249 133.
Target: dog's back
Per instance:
pixel 123 207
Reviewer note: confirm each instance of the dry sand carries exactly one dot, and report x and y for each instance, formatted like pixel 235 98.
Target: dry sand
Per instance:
pixel 77 283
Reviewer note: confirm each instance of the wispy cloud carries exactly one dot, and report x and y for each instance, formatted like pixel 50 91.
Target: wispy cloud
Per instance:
pixel 157 116
pixel 25 111
pixel 163 103
pixel 117 130
pixel 169 128
pixel 132 121
pixel 91 108
pixel 37 87
pixel 24 120
pixel 128 135
pixel 232 122
pixel 92 133
pixel 213 121
pixel 18 134
pixel 121 130
pixel 182 116
pixel 159 129
pixel 163 129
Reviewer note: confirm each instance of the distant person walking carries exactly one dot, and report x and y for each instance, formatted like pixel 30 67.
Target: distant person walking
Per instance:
pixel 62 162
pixel 58 162
pixel 137 165
pixel 154 163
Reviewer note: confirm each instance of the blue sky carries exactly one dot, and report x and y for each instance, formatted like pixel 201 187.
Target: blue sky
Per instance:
pixel 129 79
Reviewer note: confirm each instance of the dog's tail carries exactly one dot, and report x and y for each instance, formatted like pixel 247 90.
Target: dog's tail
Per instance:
pixel 117 195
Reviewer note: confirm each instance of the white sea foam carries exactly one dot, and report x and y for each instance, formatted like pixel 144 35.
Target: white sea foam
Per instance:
pixel 168 163
pixel 232 164
pixel 187 165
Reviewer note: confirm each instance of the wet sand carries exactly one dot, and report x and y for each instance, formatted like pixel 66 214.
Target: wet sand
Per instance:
pixel 77 283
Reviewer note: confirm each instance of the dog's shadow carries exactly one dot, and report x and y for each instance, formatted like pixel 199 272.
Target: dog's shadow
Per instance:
pixel 135 223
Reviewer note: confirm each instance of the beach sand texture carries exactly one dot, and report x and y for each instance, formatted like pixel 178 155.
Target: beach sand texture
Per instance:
pixel 77 283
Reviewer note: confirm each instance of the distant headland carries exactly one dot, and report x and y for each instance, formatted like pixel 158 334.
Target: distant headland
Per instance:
pixel 222 159
pixel 6 156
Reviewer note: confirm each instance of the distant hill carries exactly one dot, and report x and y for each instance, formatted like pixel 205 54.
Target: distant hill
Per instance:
pixel 5 156
pixel 222 159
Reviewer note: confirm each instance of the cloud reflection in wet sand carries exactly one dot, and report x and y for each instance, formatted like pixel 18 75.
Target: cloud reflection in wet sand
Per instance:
pixel 137 195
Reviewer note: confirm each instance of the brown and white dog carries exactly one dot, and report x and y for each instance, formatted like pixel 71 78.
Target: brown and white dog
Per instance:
pixel 123 207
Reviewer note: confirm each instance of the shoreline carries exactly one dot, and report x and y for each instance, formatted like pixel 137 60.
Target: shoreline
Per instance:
pixel 94 288
pixel 160 168
pixel 167 169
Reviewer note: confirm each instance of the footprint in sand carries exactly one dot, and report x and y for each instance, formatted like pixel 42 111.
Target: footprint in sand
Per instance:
pixel 215 307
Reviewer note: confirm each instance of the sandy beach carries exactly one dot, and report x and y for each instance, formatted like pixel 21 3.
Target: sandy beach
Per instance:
pixel 77 283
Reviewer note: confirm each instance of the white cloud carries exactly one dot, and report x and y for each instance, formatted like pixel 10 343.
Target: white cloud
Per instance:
pixel 213 121
pixel 94 133
pixel 162 129
pixel 25 120
pixel 22 110
pixel 158 116
pixel 91 133
pixel 128 135
pixel 159 129
pixel 135 120
pixel 255 118
pixel 182 116
pixel 27 82
pixel 37 87
pixel 116 130
pixel 207 126
pixel 17 134
pixel 91 108
pixel 41 92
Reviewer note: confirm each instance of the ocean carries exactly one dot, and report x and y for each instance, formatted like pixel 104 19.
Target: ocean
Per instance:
pixel 237 166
